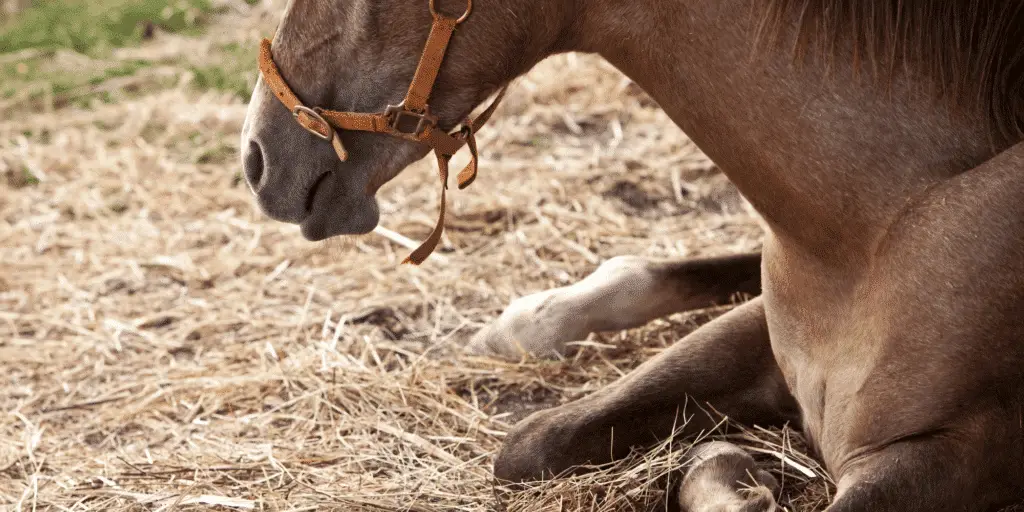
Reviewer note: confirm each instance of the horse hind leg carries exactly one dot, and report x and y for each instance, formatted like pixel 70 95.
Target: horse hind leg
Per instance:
pixel 724 478
pixel 623 293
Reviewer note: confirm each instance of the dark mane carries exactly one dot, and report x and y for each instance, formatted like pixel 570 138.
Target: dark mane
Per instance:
pixel 971 50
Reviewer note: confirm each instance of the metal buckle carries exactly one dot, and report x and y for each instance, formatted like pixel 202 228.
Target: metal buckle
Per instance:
pixel 316 117
pixel 398 113
pixel 437 15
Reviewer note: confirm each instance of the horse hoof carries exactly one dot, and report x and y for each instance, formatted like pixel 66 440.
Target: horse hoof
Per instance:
pixel 536 325
pixel 724 478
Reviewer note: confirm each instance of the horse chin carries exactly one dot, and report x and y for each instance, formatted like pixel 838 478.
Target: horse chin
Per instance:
pixel 346 220
pixel 331 215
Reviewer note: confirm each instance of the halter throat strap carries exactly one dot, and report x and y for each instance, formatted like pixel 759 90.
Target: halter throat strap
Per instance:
pixel 411 119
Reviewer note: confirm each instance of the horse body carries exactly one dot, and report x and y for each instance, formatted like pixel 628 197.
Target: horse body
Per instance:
pixel 905 356
pixel 865 275
pixel 893 266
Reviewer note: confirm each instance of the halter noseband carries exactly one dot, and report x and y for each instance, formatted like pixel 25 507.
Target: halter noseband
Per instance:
pixel 411 119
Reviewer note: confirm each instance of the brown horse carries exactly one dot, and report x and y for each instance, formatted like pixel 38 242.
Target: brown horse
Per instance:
pixel 878 139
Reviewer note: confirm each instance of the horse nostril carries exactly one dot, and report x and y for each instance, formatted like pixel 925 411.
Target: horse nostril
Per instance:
pixel 253 164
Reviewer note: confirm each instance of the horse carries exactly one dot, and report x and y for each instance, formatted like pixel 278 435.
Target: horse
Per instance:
pixel 880 141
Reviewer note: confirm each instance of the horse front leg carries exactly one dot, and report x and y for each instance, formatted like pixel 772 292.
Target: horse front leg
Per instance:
pixel 943 472
pixel 728 363
pixel 623 293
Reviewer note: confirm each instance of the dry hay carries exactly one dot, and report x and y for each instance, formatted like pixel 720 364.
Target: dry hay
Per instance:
pixel 166 347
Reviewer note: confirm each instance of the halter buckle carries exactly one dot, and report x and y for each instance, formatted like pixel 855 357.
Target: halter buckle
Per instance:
pixel 438 15
pixel 399 117
pixel 300 110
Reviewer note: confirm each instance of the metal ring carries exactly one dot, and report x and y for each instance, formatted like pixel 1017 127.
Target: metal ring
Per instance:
pixel 437 15
pixel 316 117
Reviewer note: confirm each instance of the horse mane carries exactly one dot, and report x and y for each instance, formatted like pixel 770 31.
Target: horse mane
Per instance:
pixel 972 51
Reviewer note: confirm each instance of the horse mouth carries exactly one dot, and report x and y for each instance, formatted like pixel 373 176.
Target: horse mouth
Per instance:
pixel 311 195
pixel 331 212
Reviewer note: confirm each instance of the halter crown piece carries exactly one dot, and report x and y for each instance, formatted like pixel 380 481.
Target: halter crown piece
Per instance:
pixel 411 119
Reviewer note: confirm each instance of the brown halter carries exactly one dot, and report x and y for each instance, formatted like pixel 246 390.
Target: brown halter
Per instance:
pixel 411 119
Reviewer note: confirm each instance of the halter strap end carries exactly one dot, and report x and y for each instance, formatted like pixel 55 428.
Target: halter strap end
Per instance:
pixel 339 147
pixel 469 173
pixel 430 244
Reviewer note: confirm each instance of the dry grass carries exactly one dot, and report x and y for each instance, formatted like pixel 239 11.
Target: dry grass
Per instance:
pixel 164 347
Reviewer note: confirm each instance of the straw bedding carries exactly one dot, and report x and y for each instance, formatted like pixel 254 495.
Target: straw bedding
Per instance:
pixel 165 347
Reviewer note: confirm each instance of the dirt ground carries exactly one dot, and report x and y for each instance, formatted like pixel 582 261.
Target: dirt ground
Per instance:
pixel 163 346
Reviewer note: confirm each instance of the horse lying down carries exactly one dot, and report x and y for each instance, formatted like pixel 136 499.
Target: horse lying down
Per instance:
pixel 880 141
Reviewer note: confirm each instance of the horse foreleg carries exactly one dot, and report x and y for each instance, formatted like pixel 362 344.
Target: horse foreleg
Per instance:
pixel 623 293
pixel 952 472
pixel 727 363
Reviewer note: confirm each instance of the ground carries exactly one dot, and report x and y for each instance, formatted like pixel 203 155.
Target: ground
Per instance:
pixel 165 346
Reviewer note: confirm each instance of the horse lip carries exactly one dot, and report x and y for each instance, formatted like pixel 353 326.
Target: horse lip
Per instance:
pixel 280 212
pixel 311 195
pixel 330 216
pixel 312 230
pixel 325 224
pixel 315 231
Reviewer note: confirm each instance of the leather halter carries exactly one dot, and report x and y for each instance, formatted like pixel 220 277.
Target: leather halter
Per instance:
pixel 411 119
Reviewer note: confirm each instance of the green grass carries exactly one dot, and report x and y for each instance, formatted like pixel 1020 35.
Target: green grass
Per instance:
pixel 125 68
pixel 95 27
pixel 61 81
pixel 91 26
pixel 234 71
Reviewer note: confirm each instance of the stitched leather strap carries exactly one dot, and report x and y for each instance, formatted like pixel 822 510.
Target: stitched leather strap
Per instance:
pixel 430 64
pixel 466 178
pixel 468 175
pixel 326 123
pixel 428 246
pixel 309 119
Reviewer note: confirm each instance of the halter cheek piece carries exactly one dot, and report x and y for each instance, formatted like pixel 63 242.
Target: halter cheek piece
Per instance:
pixel 411 119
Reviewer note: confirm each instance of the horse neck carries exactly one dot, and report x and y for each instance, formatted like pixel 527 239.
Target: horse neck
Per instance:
pixel 828 159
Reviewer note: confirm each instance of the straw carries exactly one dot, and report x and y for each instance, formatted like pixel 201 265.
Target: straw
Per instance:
pixel 165 346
